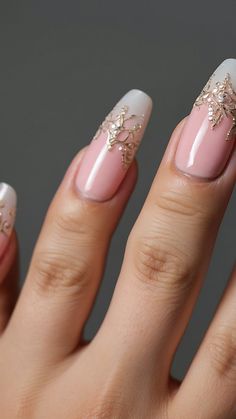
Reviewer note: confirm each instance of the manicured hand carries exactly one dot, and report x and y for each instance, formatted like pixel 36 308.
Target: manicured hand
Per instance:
pixel 47 371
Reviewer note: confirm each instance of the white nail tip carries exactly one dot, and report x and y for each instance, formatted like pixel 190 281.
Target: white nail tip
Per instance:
pixel 226 67
pixel 139 103
pixel 8 193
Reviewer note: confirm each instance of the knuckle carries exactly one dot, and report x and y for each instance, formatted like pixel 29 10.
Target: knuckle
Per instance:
pixel 103 410
pixel 108 403
pixel 73 222
pixel 157 264
pixel 180 201
pixel 66 221
pixel 222 349
pixel 57 271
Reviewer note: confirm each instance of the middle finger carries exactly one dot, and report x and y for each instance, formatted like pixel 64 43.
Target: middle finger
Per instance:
pixel 170 245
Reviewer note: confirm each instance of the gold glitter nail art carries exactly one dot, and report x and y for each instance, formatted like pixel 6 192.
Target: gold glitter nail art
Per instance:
pixel 121 134
pixel 6 225
pixel 221 102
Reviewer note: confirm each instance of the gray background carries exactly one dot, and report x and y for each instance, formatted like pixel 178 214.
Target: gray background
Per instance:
pixel 63 66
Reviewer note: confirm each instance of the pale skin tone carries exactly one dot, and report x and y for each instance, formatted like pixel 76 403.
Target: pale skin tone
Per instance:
pixel 48 371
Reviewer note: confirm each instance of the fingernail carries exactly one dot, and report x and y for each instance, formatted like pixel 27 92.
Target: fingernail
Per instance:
pixel 113 147
pixel 209 133
pixel 7 214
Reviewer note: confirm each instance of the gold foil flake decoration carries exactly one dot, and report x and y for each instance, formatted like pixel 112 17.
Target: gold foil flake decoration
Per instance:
pixel 221 102
pixel 6 225
pixel 120 132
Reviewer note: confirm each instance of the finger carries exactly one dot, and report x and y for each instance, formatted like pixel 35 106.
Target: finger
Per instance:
pixel 213 371
pixel 9 281
pixel 68 260
pixel 170 245
pixel 8 253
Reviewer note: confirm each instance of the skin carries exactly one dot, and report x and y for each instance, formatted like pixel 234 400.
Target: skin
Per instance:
pixel 46 368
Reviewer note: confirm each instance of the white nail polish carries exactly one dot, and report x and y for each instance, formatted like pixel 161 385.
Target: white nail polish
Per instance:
pixel 226 67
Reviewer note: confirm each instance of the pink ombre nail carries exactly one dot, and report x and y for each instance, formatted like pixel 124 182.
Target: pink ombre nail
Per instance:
pixel 113 148
pixel 7 214
pixel 208 136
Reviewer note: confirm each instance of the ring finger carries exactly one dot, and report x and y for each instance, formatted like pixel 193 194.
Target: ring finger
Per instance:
pixel 68 259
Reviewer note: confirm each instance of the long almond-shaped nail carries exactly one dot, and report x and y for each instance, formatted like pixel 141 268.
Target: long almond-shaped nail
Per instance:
pixel 113 147
pixel 7 214
pixel 208 136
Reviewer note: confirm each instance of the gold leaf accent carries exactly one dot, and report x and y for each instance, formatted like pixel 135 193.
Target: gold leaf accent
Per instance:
pixel 6 225
pixel 119 133
pixel 221 102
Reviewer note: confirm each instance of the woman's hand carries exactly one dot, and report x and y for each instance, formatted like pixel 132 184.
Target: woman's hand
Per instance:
pixel 46 369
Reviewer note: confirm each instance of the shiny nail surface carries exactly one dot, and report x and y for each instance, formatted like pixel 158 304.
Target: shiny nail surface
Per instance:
pixel 113 147
pixel 7 214
pixel 208 136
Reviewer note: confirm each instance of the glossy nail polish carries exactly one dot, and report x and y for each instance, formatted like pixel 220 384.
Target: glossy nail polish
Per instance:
pixel 113 147
pixel 208 136
pixel 7 214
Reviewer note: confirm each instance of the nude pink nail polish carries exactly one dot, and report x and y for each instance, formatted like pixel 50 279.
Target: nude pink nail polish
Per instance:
pixel 113 147
pixel 208 136
pixel 7 214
